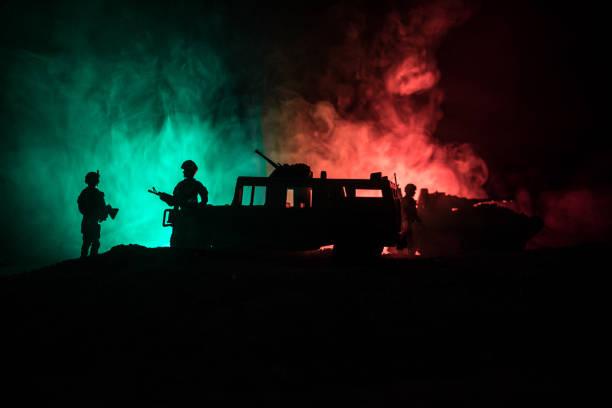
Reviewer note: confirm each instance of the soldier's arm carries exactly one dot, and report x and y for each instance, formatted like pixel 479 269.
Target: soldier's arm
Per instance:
pixel 101 206
pixel 174 200
pixel 80 203
pixel 166 198
pixel 203 194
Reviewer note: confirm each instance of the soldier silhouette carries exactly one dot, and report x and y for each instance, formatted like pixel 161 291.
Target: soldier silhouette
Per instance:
pixel 185 194
pixel 409 217
pixel 94 209
pixel 185 198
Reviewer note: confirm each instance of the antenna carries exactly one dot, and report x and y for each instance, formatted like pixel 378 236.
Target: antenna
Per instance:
pixel 397 185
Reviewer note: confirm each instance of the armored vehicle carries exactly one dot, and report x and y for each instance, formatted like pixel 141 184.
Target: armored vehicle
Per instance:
pixel 453 225
pixel 294 211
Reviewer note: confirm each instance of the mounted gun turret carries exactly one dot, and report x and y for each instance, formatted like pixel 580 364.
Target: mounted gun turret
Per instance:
pixel 297 170
pixel 276 195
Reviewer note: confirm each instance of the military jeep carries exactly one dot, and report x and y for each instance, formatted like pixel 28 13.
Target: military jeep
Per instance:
pixel 356 216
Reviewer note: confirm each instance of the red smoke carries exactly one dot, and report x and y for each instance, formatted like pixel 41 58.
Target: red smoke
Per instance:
pixel 379 108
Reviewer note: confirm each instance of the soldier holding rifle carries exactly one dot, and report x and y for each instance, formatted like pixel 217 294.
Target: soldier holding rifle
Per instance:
pixel 94 209
pixel 185 194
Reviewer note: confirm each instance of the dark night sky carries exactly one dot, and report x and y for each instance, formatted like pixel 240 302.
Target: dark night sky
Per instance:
pixel 528 86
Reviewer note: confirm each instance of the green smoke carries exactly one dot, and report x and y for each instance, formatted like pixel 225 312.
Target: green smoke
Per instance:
pixel 130 91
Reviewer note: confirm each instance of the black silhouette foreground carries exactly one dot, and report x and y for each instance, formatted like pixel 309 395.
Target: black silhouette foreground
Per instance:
pixel 167 327
pixel 409 217
pixel 184 199
pixel 292 210
pixel 95 210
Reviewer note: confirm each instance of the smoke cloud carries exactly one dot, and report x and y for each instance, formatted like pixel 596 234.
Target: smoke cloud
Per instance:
pixel 376 104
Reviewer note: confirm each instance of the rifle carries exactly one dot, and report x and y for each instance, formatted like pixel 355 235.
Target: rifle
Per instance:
pixel 112 212
pixel 165 197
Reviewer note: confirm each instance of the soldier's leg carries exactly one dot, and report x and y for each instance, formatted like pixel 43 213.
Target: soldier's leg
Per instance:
pixel 417 237
pixel 95 244
pixel 176 239
pixel 94 247
pixel 85 246
pixel 402 244
pixel 409 240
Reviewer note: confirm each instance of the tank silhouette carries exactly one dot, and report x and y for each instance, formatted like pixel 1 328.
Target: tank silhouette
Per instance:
pixel 453 225
pixel 292 210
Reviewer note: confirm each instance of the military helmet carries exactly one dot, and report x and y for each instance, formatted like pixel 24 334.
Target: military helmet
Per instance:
pixel 190 166
pixel 92 178
pixel 410 187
